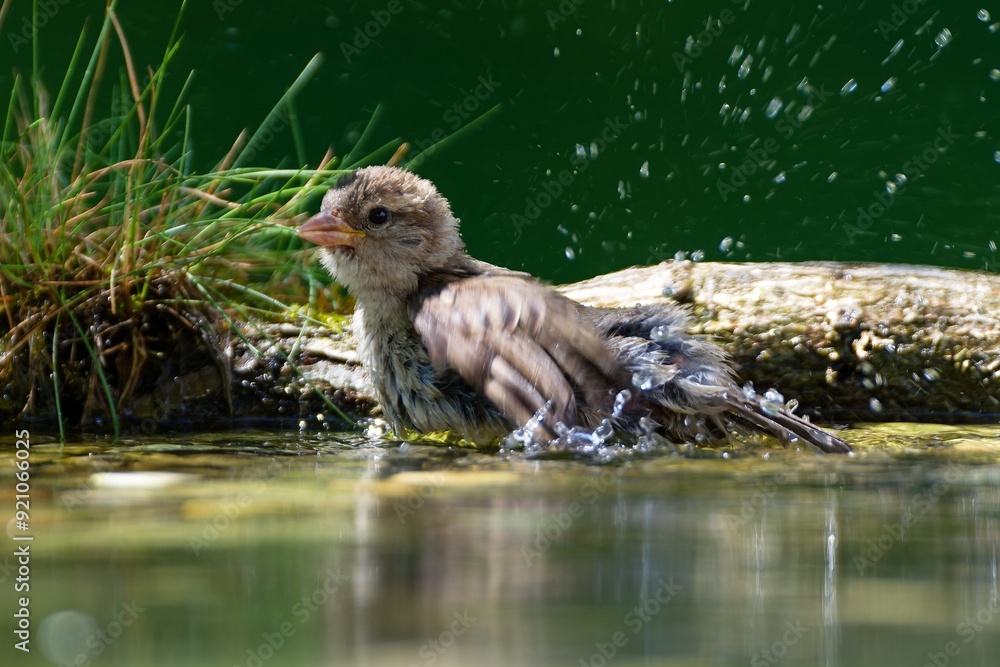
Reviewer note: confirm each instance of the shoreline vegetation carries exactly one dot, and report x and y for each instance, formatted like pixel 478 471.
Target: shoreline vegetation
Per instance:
pixel 133 287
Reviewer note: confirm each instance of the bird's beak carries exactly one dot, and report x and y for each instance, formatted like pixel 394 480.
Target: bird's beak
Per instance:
pixel 330 230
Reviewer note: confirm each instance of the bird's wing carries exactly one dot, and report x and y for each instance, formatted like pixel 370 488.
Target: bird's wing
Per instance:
pixel 517 343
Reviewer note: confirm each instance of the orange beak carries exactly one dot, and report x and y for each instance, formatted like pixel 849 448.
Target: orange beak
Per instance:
pixel 330 231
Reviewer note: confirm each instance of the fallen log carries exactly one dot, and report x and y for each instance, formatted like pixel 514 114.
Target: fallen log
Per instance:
pixel 850 342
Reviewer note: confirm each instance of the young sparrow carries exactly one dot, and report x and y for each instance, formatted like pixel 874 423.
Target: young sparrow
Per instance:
pixel 453 343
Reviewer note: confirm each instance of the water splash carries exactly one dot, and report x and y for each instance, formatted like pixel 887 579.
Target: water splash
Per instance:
pixel 621 400
pixel 773 402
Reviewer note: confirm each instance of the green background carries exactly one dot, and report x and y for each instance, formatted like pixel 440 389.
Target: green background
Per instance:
pixel 809 100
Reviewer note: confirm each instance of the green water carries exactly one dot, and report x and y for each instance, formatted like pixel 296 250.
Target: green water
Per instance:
pixel 772 132
pixel 291 549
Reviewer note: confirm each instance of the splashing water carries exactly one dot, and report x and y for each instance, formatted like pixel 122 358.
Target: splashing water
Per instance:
pixel 660 333
pixel 525 435
pixel 621 400
pixel 773 402
pixel 643 381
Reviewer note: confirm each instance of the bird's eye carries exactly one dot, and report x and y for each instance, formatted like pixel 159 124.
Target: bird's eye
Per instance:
pixel 378 215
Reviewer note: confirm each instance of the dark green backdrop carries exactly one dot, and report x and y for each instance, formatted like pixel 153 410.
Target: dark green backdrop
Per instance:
pixel 743 130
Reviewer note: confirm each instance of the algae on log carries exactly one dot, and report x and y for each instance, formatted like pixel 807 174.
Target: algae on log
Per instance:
pixel 848 341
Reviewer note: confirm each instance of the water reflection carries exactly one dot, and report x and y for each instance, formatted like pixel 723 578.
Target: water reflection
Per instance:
pixel 291 550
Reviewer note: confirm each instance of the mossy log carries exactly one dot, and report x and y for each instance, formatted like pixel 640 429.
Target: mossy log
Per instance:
pixel 850 341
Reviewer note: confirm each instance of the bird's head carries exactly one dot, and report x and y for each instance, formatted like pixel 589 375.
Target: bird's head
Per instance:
pixel 381 229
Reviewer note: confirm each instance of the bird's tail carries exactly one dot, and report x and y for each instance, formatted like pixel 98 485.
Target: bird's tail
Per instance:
pixel 776 419
pixel 685 383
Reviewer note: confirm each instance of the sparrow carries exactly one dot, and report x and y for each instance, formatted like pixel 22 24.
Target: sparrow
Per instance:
pixel 453 343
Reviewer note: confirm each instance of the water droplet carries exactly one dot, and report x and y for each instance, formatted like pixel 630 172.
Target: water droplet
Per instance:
pixel 736 54
pixel 644 169
pixel 726 244
pixel 780 178
pixel 604 431
pixel 943 38
pixel 570 253
pixel 773 107
pixel 745 68
pixel 698 256
pixel 848 88
pixel 875 405
pixel 889 84
pixel 792 33
pixel 749 392
pixel 983 15
pixel 770 408
pixel 555 52
pixel 774 395
pixel 642 381
pixel 832 177
pixel 932 374
pixel 895 238
pixel 995 74
pixel 621 190
pixel 660 333
pixel 893 51
pixel 621 400
pixel 996 157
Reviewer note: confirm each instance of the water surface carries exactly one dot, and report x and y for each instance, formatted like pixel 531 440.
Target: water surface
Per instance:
pixel 319 549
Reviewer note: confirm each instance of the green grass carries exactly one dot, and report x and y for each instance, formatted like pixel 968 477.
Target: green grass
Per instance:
pixel 120 266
